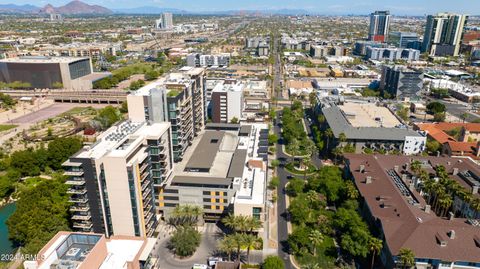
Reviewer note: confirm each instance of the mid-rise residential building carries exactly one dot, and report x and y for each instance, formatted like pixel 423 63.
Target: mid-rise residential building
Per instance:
pixel 318 51
pixel 44 72
pixel 113 182
pixel 165 21
pixel 401 82
pixel 392 54
pixel 366 127
pixel 403 39
pixel 259 46
pixel 443 34
pixel 379 25
pixel 227 102
pixel 91 250
pixel 200 60
pixel 360 47
pixel 395 202
pixel 224 171
pixel 178 98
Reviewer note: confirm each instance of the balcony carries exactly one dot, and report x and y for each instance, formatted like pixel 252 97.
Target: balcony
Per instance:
pixel 81 217
pixel 146 193
pixel 83 225
pixel 78 200
pixel 73 173
pixel 75 182
pixel 81 191
pixel 79 208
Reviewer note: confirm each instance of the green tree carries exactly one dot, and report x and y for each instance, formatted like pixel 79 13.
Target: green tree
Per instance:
pixel 439 117
pixel 406 257
pixel 273 262
pixel 41 212
pixel 250 242
pixel 234 120
pixel 272 139
pixel 375 245
pixel 151 75
pixel 185 241
pixel 274 183
pixel 108 116
pixel 227 245
pixel 316 237
pixel 295 187
pixel 60 149
pixel 436 107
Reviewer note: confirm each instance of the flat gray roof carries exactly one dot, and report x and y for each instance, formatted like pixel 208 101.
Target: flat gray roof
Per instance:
pixel 339 124
pixel 201 180
pixel 238 163
pixel 222 126
pixel 245 129
pixel 206 150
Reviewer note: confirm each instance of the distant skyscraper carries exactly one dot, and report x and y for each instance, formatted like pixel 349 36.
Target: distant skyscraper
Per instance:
pixel 165 21
pixel 379 23
pixel 443 34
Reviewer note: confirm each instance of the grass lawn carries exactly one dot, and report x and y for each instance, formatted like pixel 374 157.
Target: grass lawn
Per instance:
pixel 6 127
pixel 326 255
pixel 78 110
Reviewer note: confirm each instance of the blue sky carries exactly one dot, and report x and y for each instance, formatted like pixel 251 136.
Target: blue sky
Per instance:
pixel 400 7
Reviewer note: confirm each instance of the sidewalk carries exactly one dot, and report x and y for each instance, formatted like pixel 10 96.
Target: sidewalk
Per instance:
pixel 22 109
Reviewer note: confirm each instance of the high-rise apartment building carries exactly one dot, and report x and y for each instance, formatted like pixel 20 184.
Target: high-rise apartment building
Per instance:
pixel 401 82
pixel 443 34
pixel 379 24
pixel 227 102
pixel 113 182
pixel 165 21
pixel 178 98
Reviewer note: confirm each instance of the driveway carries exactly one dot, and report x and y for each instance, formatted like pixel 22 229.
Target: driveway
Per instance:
pixel 210 236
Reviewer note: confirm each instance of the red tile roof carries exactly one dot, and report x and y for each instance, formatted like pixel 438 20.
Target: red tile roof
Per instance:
pixel 407 225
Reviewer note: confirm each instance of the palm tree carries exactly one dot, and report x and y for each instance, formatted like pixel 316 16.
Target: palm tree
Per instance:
pixel 227 245
pixel 253 224
pixel 294 147
pixel 351 191
pixel 316 237
pixel 313 99
pixel 475 205
pixel 416 166
pixel 342 137
pixel 375 245
pixel 312 266
pixel 230 221
pixel 407 257
pixel 441 172
pixel 238 241
pixel 445 202
pixel 250 241
pixel 328 134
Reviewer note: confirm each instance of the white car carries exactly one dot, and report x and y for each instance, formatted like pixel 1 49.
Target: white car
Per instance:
pixel 212 261
pixel 199 266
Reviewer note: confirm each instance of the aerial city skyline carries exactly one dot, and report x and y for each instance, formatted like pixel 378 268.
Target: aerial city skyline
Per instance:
pixel 229 135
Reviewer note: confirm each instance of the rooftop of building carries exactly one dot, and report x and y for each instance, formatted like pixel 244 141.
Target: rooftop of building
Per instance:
pixel 70 250
pixel 438 130
pixel 401 209
pixel 219 154
pixel 341 122
pixel 120 139
pixel 369 115
pixel 42 59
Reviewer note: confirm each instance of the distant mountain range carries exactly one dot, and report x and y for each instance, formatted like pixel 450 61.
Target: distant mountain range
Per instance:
pixel 78 7
pixel 73 8
pixel 149 10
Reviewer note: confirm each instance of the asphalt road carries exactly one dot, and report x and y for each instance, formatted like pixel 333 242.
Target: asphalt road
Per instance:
pixel 281 201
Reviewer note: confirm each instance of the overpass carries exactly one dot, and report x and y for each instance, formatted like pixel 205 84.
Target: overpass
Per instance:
pixel 71 96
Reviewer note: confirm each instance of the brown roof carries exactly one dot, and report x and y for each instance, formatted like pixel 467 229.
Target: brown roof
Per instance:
pixel 407 225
